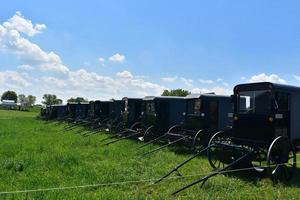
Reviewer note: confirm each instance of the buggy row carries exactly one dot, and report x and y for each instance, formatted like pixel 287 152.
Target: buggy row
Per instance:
pixel 255 127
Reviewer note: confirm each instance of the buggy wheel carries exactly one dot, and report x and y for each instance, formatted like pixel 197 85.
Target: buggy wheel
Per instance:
pixel 174 132
pixel 148 134
pixel 136 126
pixel 109 125
pixel 175 129
pixel 197 142
pixel 104 122
pixel 215 151
pixel 281 160
pixel 120 126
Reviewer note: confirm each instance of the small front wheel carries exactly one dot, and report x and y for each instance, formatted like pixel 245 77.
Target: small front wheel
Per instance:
pixel 215 151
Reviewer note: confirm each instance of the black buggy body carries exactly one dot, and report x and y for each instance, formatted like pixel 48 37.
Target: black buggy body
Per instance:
pixel 205 115
pixel 131 113
pixel 161 113
pixel 58 111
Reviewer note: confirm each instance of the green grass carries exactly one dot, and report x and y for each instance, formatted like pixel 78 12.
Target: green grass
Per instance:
pixel 35 154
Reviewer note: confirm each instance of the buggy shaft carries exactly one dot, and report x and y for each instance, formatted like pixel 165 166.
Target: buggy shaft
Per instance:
pixel 151 141
pixel 117 140
pixel 162 147
pixel 181 165
pixel 115 135
pixel 204 179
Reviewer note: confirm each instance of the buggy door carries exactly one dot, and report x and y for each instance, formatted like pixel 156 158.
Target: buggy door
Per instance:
pixel 282 114
pixel 163 115
pixel 210 108
pixel 137 111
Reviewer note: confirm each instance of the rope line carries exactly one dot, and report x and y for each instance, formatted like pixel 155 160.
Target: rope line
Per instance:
pixel 129 182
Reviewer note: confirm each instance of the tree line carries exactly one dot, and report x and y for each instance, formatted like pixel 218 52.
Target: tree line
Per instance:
pixel 51 99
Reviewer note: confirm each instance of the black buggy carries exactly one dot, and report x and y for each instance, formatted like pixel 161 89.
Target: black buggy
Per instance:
pixel 205 114
pixel 128 123
pixel 158 114
pixel 131 114
pixel 76 114
pixel 58 112
pixel 44 113
pixel 161 113
pixel 265 134
pixel 115 115
pixel 91 115
pixel 127 114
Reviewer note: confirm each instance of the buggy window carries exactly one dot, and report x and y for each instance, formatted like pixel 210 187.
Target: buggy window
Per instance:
pixel 126 108
pixel 282 101
pixel 150 107
pixel 258 102
pixel 197 107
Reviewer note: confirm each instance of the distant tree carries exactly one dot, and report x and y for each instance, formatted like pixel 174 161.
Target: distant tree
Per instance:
pixel 51 99
pixel 26 102
pixel 22 99
pixel 31 100
pixel 176 92
pixel 77 100
pixel 59 101
pixel 9 95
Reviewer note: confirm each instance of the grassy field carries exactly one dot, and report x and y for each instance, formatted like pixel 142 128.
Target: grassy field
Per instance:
pixel 35 154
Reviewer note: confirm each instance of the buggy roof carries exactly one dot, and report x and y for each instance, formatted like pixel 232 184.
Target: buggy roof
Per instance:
pixel 129 98
pixel 58 105
pixel 149 98
pixel 207 95
pixel 119 100
pixel 109 101
pixel 266 86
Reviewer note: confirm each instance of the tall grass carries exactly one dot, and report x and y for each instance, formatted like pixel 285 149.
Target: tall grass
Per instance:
pixel 35 154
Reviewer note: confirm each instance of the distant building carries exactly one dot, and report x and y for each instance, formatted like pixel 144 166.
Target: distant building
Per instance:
pixel 9 104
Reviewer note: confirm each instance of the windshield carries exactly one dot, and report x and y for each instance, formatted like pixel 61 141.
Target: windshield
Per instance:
pixel 258 102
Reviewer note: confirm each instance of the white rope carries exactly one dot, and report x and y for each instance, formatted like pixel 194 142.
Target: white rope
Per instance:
pixel 126 182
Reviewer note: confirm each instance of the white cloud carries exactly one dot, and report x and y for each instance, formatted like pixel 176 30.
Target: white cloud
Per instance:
pixel 22 25
pixel 169 79
pixel 65 82
pixel 267 78
pixel 187 82
pixel 117 58
pixel 12 41
pixel 54 81
pixel 216 90
pixel 124 74
pixel 206 81
pixel 101 59
pixel 296 77
pixel 225 84
pixel 25 67
pixel 13 78
pixel 219 79
pixel 95 86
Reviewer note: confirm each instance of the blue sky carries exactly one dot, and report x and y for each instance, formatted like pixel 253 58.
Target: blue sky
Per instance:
pixel 104 49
